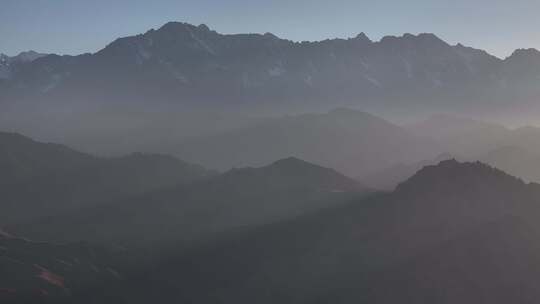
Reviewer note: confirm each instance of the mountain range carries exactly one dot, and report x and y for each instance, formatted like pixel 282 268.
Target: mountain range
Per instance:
pixel 454 232
pixel 43 179
pixel 151 91
pixel 195 66
pixel 8 64
pixel 513 150
pixel 141 198
pixel 260 175
pixel 187 212
pixel 287 232
pixel 353 142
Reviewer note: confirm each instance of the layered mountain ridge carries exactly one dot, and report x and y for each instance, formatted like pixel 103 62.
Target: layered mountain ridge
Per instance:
pixel 43 179
pixel 179 62
pixel 449 221
pixel 186 212
pixel 284 232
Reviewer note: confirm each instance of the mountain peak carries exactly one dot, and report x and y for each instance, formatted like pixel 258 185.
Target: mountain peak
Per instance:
pixel 362 37
pixel 429 36
pixel 524 57
pixel 524 63
pixel 431 39
pixel 29 56
pixel 295 172
pixel 175 26
pixel 22 57
pixel 347 111
pixel 159 64
pixel 203 27
pixel 290 162
pixel 528 58
pixel 526 52
pixel 455 166
pixel 424 38
pixel 271 36
pixel 452 176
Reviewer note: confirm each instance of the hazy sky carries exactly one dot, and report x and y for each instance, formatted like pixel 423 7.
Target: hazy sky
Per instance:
pixel 77 26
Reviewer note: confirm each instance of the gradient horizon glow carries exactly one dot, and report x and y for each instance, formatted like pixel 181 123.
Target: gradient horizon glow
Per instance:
pixel 76 26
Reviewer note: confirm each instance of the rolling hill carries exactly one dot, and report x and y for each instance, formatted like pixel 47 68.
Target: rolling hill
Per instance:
pixel 226 202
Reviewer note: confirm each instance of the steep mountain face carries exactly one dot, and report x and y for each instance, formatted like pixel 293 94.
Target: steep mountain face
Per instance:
pixel 352 142
pixel 47 179
pixel 194 65
pixel 238 198
pixel 454 232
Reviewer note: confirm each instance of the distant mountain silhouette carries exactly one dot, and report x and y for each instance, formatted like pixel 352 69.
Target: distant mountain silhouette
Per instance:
pixel 40 179
pixel 454 232
pixel 8 65
pixel 353 142
pixel 515 151
pixel 461 135
pixel 194 65
pixel 527 138
pixel 237 198
pixel 390 178
pixel 280 220
pixel 516 161
pixel 22 158
pixel 152 89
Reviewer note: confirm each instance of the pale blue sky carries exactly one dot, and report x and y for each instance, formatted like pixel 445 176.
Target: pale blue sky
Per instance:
pixel 77 26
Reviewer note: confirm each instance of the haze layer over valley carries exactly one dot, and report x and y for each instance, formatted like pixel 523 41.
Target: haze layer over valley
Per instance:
pixel 182 80
pixel 186 165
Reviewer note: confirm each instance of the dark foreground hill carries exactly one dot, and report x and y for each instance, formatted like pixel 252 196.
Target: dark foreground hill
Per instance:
pixel 152 223
pixel 34 272
pixel 453 233
pixel 235 199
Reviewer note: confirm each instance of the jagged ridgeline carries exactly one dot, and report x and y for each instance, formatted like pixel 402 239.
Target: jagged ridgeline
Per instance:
pixel 193 65
pixel 247 168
